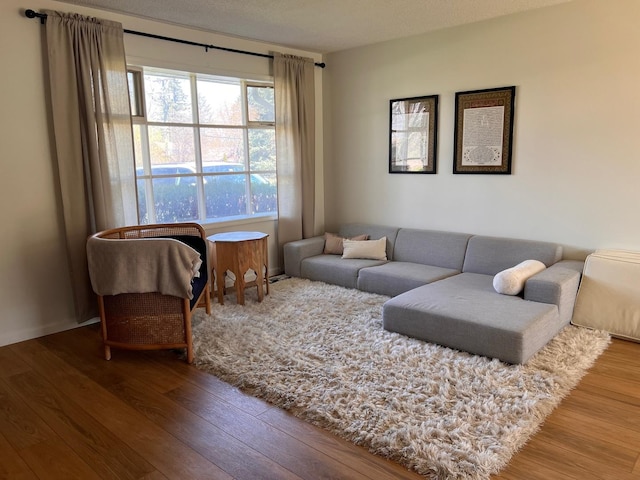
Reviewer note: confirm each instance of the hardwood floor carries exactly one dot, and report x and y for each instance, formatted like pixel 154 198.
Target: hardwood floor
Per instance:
pixel 66 413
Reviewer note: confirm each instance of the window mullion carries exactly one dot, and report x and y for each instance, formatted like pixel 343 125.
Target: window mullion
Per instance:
pixel 202 215
pixel 146 165
pixel 245 139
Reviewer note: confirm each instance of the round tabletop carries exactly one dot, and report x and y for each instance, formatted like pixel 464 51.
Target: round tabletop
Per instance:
pixel 236 236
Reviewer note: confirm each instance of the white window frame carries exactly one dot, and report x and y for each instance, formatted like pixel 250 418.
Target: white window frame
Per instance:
pixel 246 126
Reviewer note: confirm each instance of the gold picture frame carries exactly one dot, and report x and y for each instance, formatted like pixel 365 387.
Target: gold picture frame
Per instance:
pixel 483 132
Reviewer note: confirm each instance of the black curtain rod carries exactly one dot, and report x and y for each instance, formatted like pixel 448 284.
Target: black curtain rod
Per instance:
pixel 43 17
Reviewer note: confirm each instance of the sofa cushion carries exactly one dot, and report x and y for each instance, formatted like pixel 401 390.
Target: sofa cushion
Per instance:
pixel 371 249
pixel 394 278
pixel 464 312
pixel 490 255
pixel 334 269
pixel 333 244
pixel 431 247
pixel 511 281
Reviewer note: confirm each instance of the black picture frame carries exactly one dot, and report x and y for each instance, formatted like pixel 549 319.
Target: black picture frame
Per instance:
pixel 483 133
pixel 413 134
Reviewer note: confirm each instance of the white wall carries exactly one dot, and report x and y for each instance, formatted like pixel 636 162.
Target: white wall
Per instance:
pixel 35 295
pixel 576 151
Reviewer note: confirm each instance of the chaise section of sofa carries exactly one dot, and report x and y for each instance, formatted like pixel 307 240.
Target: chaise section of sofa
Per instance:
pixel 466 313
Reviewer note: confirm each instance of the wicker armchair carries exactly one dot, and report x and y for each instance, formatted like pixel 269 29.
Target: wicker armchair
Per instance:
pixel 152 320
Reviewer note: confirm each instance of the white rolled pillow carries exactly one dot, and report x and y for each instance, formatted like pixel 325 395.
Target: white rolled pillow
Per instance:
pixel 511 281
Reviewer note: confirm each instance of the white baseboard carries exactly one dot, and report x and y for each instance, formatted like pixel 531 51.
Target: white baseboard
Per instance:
pixel 31 333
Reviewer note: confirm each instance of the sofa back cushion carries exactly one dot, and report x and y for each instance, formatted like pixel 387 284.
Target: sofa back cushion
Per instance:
pixel 375 232
pixel 490 255
pixel 431 247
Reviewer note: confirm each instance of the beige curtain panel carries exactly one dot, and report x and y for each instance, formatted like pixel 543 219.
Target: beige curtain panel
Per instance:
pixel 295 145
pixel 93 136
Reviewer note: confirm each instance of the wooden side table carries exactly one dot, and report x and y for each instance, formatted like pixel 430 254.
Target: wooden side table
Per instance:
pixel 239 252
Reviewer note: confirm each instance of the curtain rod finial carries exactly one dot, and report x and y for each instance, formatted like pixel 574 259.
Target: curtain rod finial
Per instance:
pixel 33 14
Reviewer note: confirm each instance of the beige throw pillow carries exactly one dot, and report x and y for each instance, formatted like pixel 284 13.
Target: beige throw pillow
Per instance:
pixel 369 249
pixel 333 243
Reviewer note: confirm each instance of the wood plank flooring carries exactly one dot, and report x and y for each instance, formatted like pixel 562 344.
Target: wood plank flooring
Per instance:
pixel 66 413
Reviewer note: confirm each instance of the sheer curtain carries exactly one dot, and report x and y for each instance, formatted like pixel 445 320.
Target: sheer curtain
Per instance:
pixel 295 145
pixel 93 137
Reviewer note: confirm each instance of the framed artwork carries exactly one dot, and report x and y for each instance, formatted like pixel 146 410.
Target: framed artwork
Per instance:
pixel 413 132
pixel 483 131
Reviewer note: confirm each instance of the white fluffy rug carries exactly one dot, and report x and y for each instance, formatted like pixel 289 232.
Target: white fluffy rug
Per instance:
pixel 320 352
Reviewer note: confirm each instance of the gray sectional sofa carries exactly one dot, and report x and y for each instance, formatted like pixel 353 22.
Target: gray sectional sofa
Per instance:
pixel 441 284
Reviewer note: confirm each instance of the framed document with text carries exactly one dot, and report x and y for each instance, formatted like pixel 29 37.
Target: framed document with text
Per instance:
pixel 413 132
pixel 484 131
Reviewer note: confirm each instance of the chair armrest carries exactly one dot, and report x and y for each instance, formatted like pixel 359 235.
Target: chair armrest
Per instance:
pixel 296 251
pixel 557 285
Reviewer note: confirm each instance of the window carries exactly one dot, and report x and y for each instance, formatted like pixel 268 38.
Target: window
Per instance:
pixel 204 146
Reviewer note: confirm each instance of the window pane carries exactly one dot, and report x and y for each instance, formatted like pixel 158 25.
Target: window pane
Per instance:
pixel 168 98
pixel 225 195
pixel 175 199
pixel 142 203
pixel 137 145
pixel 261 104
pixel 171 145
pixel 264 193
pixel 222 145
pixel 262 149
pixel 219 103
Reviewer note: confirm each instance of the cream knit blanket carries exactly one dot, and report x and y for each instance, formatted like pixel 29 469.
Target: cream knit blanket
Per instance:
pixel 142 265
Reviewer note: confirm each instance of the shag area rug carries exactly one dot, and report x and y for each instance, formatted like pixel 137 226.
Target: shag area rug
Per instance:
pixel 320 352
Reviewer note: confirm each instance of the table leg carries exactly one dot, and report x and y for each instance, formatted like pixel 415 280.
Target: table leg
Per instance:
pixel 260 283
pixel 218 272
pixel 265 263
pixel 240 288
pixel 220 282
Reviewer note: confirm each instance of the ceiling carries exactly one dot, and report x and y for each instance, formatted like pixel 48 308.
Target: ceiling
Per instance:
pixel 321 26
